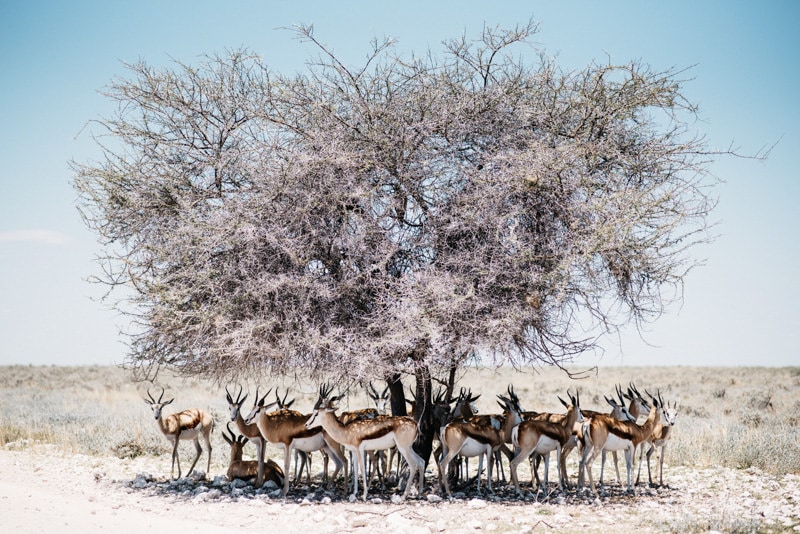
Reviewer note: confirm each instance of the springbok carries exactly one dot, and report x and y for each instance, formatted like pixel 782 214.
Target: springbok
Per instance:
pixel 659 438
pixel 185 425
pixel 250 431
pixel 368 435
pixel 248 469
pixel 477 436
pixel 535 436
pixel 287 429
pixel 603 432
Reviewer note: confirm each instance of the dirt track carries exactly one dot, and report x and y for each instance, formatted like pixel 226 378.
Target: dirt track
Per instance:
pixel 46 490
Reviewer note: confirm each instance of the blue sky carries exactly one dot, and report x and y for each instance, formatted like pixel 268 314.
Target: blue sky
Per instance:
pixel 741 308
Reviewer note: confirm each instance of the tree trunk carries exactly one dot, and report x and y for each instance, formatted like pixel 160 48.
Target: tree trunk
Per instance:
pixel 397 395
pixel 424 413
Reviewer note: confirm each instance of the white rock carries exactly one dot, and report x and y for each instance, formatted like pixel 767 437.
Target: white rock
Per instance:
pixel 432 497
pixel 476 503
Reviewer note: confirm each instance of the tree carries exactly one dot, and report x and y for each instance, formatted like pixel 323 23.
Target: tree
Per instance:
pixel 395 218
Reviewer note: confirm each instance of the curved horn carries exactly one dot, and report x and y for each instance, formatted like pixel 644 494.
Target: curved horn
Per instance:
pixel 373 394
pixel 262 399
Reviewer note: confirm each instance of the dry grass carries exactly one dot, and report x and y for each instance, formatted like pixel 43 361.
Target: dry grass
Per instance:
pixel 733 417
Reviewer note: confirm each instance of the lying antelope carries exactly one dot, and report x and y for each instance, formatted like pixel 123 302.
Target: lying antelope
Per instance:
pixel 250 431
pixel 249 469
pixel 287 429
pixel 603 432
pixel 369 434
pixel 535 436
pixel 186 425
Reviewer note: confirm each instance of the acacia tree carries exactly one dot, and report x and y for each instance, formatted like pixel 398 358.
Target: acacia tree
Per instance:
pixel 396 217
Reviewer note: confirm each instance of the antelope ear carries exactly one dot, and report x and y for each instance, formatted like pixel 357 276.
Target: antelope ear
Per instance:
pixel 168 402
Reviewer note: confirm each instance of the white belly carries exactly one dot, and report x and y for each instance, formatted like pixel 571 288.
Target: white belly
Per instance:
pixel 309 444
pixel 192 432
pixel 473 448
pixel 377 444
pixel 616 443
pixel 545 445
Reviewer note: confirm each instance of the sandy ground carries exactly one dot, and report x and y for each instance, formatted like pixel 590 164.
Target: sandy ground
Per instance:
pixel 45 490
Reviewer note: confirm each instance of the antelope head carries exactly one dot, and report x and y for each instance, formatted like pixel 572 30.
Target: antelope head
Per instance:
pixel 236 443
pixel 281 402
pixel 381 400
pixel 157 405
pixel 235 405
pixel 621 412
pixel 259 406
pixel 323 405
pixel 575 404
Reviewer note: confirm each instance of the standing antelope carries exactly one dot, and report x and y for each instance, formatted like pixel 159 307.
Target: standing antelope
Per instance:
pixel 250 431
pixel 302 459
pixel 186 425
pixel 636 408
pixel 535 436
pixel 477 436
pixel 659 438
pixel 369 434
pixel 248 469
pixel 603 432
pixel 286 428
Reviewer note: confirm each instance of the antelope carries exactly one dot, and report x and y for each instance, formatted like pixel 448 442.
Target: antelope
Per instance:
pixel 477 436
pixel 637 407
pixel 535 436
pixel 464 408
pixel 369 434
pixel 367 413
pixel 302 459
pixel 186 425
pixel 603 432
pixel 379 458
pixel 287 429
pixel 248 469
pixel 659 438
pixel 250 431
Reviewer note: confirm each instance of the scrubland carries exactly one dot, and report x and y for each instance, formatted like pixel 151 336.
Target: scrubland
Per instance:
pixel 736 427
pixel 735 417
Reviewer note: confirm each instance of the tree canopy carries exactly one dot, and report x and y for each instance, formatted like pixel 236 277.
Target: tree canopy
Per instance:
pixel 405 212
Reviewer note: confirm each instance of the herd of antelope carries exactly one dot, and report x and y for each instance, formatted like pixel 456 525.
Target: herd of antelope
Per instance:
pixel 371 434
